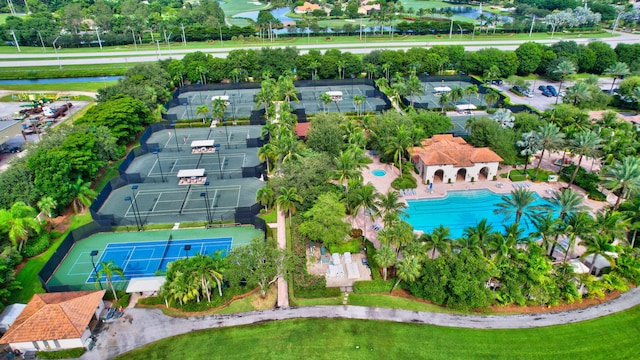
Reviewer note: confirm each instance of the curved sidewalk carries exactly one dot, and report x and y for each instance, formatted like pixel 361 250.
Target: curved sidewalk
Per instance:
pixel 140 327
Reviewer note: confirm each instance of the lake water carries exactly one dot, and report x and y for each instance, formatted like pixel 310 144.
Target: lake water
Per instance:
pixel 278 13
pixel 470 12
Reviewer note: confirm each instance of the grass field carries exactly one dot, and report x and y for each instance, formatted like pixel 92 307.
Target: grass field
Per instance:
pixel 85 86
pixel 611 337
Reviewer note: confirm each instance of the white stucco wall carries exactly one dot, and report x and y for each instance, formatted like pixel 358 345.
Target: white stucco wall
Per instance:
pixel 64 344
pixel 451 172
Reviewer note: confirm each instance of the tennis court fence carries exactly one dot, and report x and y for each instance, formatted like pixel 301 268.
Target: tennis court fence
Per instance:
pixel 61 252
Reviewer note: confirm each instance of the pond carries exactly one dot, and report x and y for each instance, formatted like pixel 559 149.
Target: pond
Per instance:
pixel 278 13
pixel 470 12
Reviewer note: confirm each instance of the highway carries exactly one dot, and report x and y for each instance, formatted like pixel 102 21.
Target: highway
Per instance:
pixel 116 57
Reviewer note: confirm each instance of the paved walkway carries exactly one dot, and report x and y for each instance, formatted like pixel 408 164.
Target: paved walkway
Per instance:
pixel 140 327
pixel 283 287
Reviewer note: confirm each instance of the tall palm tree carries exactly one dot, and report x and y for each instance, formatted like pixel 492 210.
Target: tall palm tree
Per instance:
pixel 546 229
pixel 266 197
pixel 18 222
pixel 399 144
pixel 623 177
pixel 584 143
pixel 617 70
pixel 202 110
pixel 108 270
pixel 389 202
pixel 219 106
pixel 504 245
pixel 407 270
pixel 550 138
pixel 266 153
pixel 598 245
pixel 611 224
pixel 491 98
pixel 341 63
pixel 345 168
pixel 578 93
pixel 566 202
pixel 413 86
pixel 84 195
pixel 519 203
pixel 471 90
pixel 577 225
pixel 326 100
pixel 443 100
pixel 46 204
pixel 366 197
pixel 204 271
pixel 456 94
pixel 358 100
pixel 529 145
pixel 385 257
pixel 564 69
pixel 289 148
pixel 313 66
pixel 480 233
pixel 287 200
pixel 439 240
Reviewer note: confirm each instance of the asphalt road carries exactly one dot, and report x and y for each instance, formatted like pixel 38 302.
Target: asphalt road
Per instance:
pixel 98 57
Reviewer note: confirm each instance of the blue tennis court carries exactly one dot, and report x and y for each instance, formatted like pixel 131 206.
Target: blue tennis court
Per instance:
pixel 145 259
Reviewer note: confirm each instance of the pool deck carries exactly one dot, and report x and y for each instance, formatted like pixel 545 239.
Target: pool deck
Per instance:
pixel 383 184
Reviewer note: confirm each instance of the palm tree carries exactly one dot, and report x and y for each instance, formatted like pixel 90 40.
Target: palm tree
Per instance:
pixel 530 144
pixel 623 177
pixel 413 86
pixel 598 245
pixel 491 97
pixel 611 224
pixel 501 245
pixel 18 222
pixel 456 94
pixel 266 197
pixel 46 204
pixel 566 202
pixel 407 270
pixel 550 138
pixel 326 100
pixel 108 269
pixel 345 168
pixel 289 148
pixel 266 152
pixel 518 203
pixel 358 100
pixel 287 201
pixel 84 195
pixel 385 257
pixel 399 144
pixel 203 270
pixel 439 240
pixel 313 66
pixel 341 64
pixel 443 101
pixel 492 73
pixel 564 69
pixel 389 202
pixel 386 67
pixel 578 93
pixel 286 89
pixel 546 229
pixel 577 225
pixel 370 69
pixel 584 143
pixel 202 110
pixel 480 234
pixel 366 197
pixel 471 90
pixel 617 70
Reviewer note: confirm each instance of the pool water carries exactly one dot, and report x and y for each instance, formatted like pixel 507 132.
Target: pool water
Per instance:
pixel 459 210
pixel 378 172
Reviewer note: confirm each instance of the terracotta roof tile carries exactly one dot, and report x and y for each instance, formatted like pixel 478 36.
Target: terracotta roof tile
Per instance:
pixel 54 316
pixel 302 129
pixel 446 149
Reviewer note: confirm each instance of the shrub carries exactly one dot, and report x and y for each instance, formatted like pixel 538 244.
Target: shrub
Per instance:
pixel 356 233
pixel 371 252
pixel 352 246
pixel 151 300
pixel 123 301
pixel 36 246
pixel 404 182
pixel 61 354
pixel 587 181
pixel 515 176
pixel 491 111
pixel 317 293
pixel 373 286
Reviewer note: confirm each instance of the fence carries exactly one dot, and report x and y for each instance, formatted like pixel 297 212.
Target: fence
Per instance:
pixel 75 235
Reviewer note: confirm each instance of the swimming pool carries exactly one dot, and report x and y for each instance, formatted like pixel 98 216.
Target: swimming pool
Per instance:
pixel 460 209
pixel 378 172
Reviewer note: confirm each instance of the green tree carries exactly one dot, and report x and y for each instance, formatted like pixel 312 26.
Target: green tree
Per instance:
pixel 324 222
pixel 19 222
pixel 471 90
pixel 208 270
pixel 578 93
pixel 287 200
pixel 385 257
pixel 202 110
pixel 266 197
pixel 413 86
pixel 260 263
pixel 576 226
pixel 84 195
pixel 407 270
pixel 366 197
pixel 617 70
pixel 623 177
pixel 529 145
pixel 584 143
pixel 47 204
pixel 491 98
pixel 439 240
pixel 529 57
pixel 443 101
pixel 124 116
pixel 518 204
pixel 399 144
pixel 108 269
pixel 564 69
pixel 550 138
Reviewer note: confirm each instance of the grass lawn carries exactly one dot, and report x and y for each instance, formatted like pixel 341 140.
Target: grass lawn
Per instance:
pixel 270 217
pixel 28 276
pixel 394 302
pixel 611 337
pixel 85 86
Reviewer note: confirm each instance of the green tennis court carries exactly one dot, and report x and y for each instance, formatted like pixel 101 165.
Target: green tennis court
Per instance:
pixel 142 254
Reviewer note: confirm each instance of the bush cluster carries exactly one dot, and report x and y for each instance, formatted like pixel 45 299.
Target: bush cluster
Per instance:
pixel 61 354
pixel 37 246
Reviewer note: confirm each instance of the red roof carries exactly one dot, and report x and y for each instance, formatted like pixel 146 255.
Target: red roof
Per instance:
pixel 302 129
pixel 449 150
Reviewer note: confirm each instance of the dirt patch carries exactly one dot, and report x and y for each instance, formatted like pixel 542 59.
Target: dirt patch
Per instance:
pixel 517 309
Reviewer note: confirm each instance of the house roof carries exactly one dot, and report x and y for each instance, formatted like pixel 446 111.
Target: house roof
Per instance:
pixel 446 149
pixel 307 6
pixel 302 129
pixel 53 316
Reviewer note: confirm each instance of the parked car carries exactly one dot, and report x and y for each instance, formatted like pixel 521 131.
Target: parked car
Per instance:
pixel 552 90
pixel 365 262
pixel 547 94
pixel 527 94
pixel 542 88
pixel 10 149
pixel 494 82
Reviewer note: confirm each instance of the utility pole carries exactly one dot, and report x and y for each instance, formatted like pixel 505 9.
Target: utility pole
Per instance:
pixel 56 50
pixel 11 8
pixel 532 22
pixel 184 38
pixel 99 41
pixel 44 49
pixel 133 35
pixel 158 44
pixel 13 33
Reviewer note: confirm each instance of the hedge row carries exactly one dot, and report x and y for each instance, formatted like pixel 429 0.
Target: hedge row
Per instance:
pixel 61 354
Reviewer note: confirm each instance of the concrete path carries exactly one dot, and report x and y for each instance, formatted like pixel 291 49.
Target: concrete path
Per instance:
pixel 281 234
pixel 140 327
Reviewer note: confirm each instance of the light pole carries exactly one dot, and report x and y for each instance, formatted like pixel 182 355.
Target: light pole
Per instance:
pixel 175 135
pixel 156 153
pixel 56 50
pixel 44 49
pixel 135 201
pixel 206 204
pixel 135 214
pixel 95 271
pixel 186 250
pixel 217 146
pixel 460 27
pixel 133 35
pixel 158 47
pixel 224 123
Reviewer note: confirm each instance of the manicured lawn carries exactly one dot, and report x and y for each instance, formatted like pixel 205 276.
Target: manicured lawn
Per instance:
pixel 394 302
pixel 319 302
pixel 28 276
pixel 85 86
pixel 270 217
pixel 612 337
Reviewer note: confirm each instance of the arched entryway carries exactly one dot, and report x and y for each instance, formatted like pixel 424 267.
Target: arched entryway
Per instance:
pixel 438 176
pixel 483 174
pixel 461 175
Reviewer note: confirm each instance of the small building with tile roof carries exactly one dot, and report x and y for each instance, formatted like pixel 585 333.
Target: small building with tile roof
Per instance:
pixel 56 321
pixel 448 159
